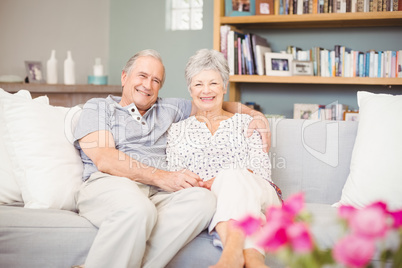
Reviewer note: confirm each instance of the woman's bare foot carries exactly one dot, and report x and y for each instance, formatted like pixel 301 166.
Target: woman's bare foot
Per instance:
pixel 230 258
pixel 254 259
pixel 233 242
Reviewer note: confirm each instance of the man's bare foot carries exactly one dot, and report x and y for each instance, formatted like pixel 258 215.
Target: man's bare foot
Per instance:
pixel 254 259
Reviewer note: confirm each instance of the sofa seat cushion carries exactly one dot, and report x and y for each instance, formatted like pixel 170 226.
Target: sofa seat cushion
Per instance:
pixel 199 253
pixel 327 229
pixel 325 226
pixel 45 237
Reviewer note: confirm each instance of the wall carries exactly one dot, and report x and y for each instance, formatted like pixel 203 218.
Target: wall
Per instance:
pixel 137 25
pixel 31 29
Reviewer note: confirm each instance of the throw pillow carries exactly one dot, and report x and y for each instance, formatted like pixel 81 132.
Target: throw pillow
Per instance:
pixel 47 167
pixel 376 165
pixel 9 190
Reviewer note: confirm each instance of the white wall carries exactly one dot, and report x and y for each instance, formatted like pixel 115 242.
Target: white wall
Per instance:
pixel 30 29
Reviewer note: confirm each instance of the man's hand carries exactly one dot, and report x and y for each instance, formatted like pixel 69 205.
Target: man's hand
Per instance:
pixel 173 181
pixel 261 124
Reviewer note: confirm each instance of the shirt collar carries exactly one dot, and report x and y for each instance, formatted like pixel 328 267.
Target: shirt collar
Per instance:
pixel 116 100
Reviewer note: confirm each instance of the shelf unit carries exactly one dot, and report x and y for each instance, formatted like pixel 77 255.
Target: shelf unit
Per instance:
pixel 331 20
pixel 64 95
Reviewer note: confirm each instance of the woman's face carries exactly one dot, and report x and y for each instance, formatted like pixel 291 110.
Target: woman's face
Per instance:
pixel 207 90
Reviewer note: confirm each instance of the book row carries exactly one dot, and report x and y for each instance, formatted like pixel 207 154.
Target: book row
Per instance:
pixel 333 111
pixel 250 54
pixel 288 7
pixel 345 62
pixel 244 52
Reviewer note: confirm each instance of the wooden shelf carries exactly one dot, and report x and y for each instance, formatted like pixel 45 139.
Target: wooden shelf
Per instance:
pixel 65 95
pixel 60 88
pixel 315 80
pixel 360 19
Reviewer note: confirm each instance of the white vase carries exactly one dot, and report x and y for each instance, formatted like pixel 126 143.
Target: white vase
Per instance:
pixel 52 68
pixel 98 67
pixel 69 70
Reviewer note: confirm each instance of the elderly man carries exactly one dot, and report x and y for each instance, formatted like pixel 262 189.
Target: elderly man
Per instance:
pixel 144 213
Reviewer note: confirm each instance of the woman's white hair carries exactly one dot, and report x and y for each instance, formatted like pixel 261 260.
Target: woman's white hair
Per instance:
pixel 144 53
pixel 205 60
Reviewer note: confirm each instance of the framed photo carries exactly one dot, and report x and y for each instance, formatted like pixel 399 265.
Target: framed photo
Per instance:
pixel 260 55
pixel 278 64
pixel 34 71
pixel 235 8
pixel 351 115
pixel 306 111
pixel 264 7
pixel 302 68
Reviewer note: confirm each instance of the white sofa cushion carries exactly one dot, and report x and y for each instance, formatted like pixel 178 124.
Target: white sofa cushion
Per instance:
pixel 46 165
pixel 9 190
pixel 376 165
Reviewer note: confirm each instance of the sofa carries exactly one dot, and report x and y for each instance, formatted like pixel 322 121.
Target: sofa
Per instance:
pixel 307 156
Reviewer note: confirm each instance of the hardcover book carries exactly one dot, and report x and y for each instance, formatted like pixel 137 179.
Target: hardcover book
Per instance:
pixel 224 40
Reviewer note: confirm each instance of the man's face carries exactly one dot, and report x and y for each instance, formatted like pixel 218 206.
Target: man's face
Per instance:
pixel 142 85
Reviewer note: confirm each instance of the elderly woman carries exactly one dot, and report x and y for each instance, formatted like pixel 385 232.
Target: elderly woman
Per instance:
pixel 212 144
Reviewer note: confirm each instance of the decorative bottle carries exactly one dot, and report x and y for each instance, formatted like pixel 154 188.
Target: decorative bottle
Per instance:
pixel 52 68
pixel 69 70
pixel 98 67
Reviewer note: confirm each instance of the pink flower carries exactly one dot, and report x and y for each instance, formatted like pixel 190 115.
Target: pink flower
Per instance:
pixel 300 238
pixel 279 215
pixel 370 221
pixel 354 251
pixel 380 205
pixel 249 224
pixel 397 218
pixel 346 212
pixel 294 204
pixel 272 237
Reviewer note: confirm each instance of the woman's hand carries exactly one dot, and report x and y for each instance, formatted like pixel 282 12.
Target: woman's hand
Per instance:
pixel 173 181
pixel 208 183
pixel 261 124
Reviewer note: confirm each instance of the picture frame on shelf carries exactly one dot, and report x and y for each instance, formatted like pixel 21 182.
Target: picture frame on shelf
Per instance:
pixel 260 56
pixel 306 111
pixel 34 71
pixel 234 8
pixel 264 7
pixel 351 116
pixel 278 64
pixel 302 68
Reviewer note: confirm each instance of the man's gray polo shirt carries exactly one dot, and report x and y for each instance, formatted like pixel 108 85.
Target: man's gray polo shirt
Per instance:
pixel 141 137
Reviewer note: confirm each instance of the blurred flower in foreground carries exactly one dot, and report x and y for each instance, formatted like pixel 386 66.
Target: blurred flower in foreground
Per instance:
pixel 286 233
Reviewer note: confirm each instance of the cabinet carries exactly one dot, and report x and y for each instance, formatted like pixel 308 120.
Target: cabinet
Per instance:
pixel 65 95
pixel 338 20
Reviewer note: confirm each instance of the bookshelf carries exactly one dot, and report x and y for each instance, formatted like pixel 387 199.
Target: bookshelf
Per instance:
pixel 326 20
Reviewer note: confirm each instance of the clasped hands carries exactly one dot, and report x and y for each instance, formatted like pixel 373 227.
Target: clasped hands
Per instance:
pixel 186 179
